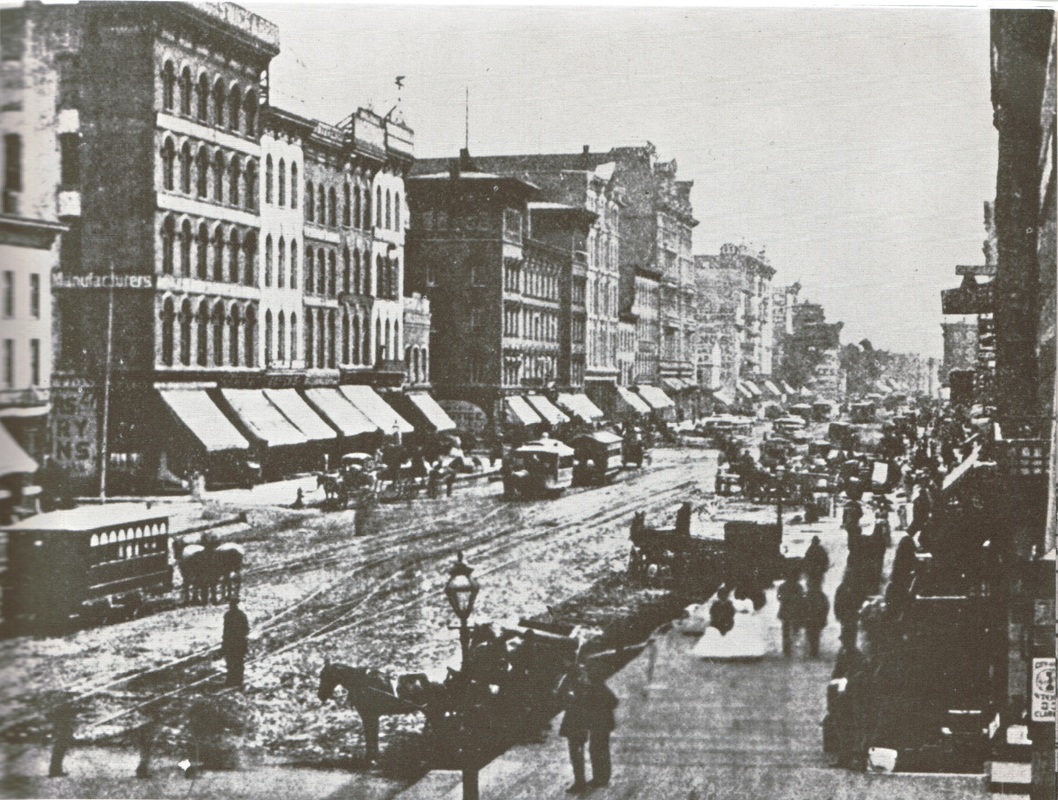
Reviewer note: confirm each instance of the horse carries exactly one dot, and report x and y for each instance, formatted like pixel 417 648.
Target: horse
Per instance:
pixel 211 573
pixel 373 694
pixel 331 485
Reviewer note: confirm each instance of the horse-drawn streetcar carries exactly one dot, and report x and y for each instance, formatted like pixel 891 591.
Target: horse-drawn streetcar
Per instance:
pixel 89 563
pixel 538 468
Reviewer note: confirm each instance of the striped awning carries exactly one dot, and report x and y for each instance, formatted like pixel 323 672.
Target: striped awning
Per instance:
pixel 262 419
pixel 654 397
pixel 579 406
pixel 772 389
pixel 339 412
pixel 295 409
pixel 434 415
pixel 197 412
pixel 546 409
pixel 633 400
pixel 368 401
pixel 520 412
pixel 753 388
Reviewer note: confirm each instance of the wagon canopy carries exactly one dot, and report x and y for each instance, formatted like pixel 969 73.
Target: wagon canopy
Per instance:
pixel 13 459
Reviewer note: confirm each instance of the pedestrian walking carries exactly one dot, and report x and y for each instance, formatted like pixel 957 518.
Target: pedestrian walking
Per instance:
pixel 234 643
pixel 791 607
pixel 815 563
pixel 589 719
pixel 847 601
pixel 450 480
pixel 63 719
pixel 816 610
pixel 722 611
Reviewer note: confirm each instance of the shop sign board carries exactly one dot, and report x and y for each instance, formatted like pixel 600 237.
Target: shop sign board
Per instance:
pixel 1043 695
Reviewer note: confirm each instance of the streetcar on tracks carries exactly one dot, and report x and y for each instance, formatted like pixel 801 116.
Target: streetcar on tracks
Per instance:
pixel 540 468
pixel 89 564
pixel 598 457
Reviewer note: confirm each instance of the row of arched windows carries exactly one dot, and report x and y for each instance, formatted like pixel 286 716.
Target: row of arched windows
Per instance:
pixel 388 277
pixel 417 364
pixel 275 263
pixel 211 102
pixel 321 207
pixel 208 174
pixel 276 191
pixel 326 277
pixel 334 337
pixel 275 347
pixel 208 333
pixel 223 253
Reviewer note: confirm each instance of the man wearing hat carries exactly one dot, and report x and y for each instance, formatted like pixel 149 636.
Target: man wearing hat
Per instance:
pixel 589 715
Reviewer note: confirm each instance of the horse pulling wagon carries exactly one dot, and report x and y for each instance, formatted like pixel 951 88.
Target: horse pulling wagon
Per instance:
pixel 96 563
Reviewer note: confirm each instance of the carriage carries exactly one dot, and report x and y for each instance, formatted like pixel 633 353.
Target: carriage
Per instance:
pixel 598 457
pixel 356 482
pixel 538 468
pixel 96 563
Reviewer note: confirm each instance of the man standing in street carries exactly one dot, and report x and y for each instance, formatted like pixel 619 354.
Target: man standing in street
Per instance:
pixel 816 610
pixel 589 714
pixel 234 643
pixel 815 563
pixel 791 601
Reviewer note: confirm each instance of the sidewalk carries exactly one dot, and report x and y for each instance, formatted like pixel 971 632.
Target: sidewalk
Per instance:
pixel 691 729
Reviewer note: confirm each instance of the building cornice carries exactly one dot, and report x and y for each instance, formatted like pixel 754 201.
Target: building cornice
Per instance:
pixel 24 232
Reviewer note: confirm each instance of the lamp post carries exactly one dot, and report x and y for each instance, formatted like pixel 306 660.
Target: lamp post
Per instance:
pixel 780 491
pixel 461 590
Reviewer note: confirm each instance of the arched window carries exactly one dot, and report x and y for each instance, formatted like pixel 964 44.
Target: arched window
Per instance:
pixel 321 349
pixel 168 323
pixel 389 209
pixel 332 274
pixel 356 339
pixel 293 185
pixel 321 207
pixel 250 336
pixel 409 372
pixel 218 334
pixel 367 273
pixel 396 337
pixel 345 204
pixel 310 343
pixel 379 341
pixel 345 337
pixel 185 249
pixel 234 319
pixel 251 185
pixel 332 338
pixel 249 249
pixel 202 178
pixel 185 333
pixel 185 92
pixel 168 164
pixel 396 211
pixel 218 177
pixel 293 336
pixel 282 278
pixel 218 254
pixel 282 182
pixel 202 326
pixel 282 337
pixel 168 245
pixel 268 179
pixel 268 261
pixel 389 340
pixel 220 100
pixel 367 341
pixel 234 106
pixel 367 208
pixel 268 338
pixel 185 168
pixel 309 270
pixel 357 219
pixel 380 271
pixel 346 270
pixel 294 264
pixel 378 207
pixel 357 288
pixel 310 202
pixel 168 98
pixel 234 250
pixel 202 252
pixel 251 113
pixel 203 97
pixel 235 175
pixel 321 272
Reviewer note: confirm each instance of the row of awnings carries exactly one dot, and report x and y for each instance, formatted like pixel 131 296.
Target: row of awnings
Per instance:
pixel 536 409
pixel 284 417
pixel 677 384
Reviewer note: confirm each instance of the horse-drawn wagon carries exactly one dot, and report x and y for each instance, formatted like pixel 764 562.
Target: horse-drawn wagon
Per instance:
pixel 598 457
pixel 538 468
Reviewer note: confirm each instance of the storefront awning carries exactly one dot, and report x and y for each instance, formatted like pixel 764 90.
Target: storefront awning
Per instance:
pixel 753 388
pixel 579 406
pixel 788 388
pixel 299 412
pixel 434 414
pixel 773 390
pixel 725 396
pixel 655 398
pixel 262 419
pixel 13 459
pixel 520 412
pixel 203 419
pixel 546 409
pixel 632 399
pixel 673 384
pixel 339 412
pixel 963 469
pixel 376 409
pixel 744 390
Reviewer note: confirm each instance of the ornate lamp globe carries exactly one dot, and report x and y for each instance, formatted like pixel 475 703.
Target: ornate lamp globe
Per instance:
pixel 461 589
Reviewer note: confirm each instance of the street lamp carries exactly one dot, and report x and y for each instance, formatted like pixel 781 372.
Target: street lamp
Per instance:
pixel 461 591
pixel 780 490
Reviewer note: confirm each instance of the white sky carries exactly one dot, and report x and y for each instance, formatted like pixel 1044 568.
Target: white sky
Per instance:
pixel 854 145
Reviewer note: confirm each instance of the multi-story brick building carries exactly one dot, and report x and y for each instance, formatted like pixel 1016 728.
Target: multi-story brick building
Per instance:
pixel 784 298
pixel 219 253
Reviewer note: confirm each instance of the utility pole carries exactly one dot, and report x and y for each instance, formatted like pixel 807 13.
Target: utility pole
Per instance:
pixel 104 455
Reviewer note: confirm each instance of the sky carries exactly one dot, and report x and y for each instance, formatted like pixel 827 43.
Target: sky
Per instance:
pixel 854 146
